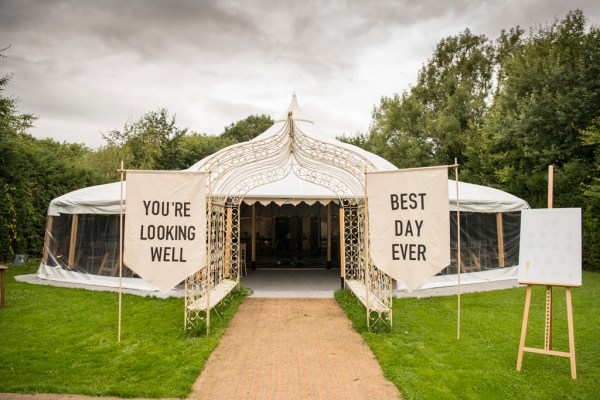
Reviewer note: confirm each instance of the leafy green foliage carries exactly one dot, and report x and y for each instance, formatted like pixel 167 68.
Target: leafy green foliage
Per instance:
pixel 58 340
pixel 248 128
pixel 12 125
pixel 424 359
pixel 549 94
pixel 39 171
pixel 195 147
pixel 591 220
pixel 154 141
pixel 151 142
pixel 32 172
pixel 433 122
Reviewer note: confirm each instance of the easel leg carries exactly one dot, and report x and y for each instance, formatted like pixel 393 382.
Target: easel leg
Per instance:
pixel 524 328
pixel 571 334
pixel 548 327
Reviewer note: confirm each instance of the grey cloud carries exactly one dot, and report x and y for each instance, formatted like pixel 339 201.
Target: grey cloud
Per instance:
pixel 222 60
pixel 321 38
pixel 157 28
pixel 152 29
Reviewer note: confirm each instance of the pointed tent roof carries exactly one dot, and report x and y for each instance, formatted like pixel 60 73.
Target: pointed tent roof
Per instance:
pixel 291 162
pixel 294 108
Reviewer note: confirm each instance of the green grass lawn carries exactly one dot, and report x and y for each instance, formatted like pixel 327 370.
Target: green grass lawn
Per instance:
pixel 58 340
pixel 424 359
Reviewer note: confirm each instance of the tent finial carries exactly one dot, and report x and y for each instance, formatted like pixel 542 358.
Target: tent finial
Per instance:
pixel 295 109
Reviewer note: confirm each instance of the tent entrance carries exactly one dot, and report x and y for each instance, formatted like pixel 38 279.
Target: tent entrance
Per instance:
pixel 290 236
pixel 279 159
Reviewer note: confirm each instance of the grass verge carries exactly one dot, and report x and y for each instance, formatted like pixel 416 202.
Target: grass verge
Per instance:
pixel 59 340
pixel 424 359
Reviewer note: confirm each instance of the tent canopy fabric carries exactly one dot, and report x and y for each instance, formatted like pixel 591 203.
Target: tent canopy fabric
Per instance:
pixel 291 162
pixel 100 199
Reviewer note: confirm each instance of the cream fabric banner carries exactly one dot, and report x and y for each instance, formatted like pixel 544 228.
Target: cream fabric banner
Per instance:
pixel 165 225
pixel 409 223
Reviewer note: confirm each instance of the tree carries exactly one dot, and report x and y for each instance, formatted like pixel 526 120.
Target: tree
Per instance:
pixel 247 128
pixel 591 210
pixel 196 146
pixel 12 125
pixel 43 170
pixel 433 121
pixel 548 94
pixel 32 172
pixel 398 132
pixel 107 160
pixel 151 142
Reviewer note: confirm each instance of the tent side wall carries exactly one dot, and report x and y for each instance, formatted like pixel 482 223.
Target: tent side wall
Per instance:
pixel 84 248
pixel 84 243
pixel 488 241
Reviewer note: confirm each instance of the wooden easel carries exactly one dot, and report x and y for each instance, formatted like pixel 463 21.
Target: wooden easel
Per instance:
pixel 548 330
pixel 548 324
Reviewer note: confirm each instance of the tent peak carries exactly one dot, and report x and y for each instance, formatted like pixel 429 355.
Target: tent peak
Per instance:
pixel 295 110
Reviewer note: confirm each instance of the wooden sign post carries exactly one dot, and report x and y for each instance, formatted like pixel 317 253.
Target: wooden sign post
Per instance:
pixel 550 255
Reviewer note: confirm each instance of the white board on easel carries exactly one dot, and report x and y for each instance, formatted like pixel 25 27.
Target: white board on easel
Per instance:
pixel 550 247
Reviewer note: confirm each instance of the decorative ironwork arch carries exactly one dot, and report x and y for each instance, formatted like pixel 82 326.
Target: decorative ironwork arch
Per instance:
pixel 288 150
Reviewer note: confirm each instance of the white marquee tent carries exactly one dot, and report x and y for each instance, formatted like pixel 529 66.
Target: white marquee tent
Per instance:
pixel 291 166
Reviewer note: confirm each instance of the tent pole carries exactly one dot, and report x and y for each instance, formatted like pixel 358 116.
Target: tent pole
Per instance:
pixel 253 237
pixel 120 254
pixel 550 186
pixel 73 242
pixel 329 235
pixel 209 256
pixel 185 303
pixel 342 246
pixel 366 255
pixel 500 233
pixel 458 263
pixel 47 239
pixel 548 324
pixel 228 229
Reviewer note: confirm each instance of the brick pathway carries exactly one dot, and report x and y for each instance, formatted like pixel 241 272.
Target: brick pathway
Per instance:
pixel 292 349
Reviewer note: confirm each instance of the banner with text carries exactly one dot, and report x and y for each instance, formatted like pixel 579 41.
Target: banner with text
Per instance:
pixel 409 223
pixel 165 225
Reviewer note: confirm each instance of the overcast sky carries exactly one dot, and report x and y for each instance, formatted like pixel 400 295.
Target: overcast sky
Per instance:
pixel 87 67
